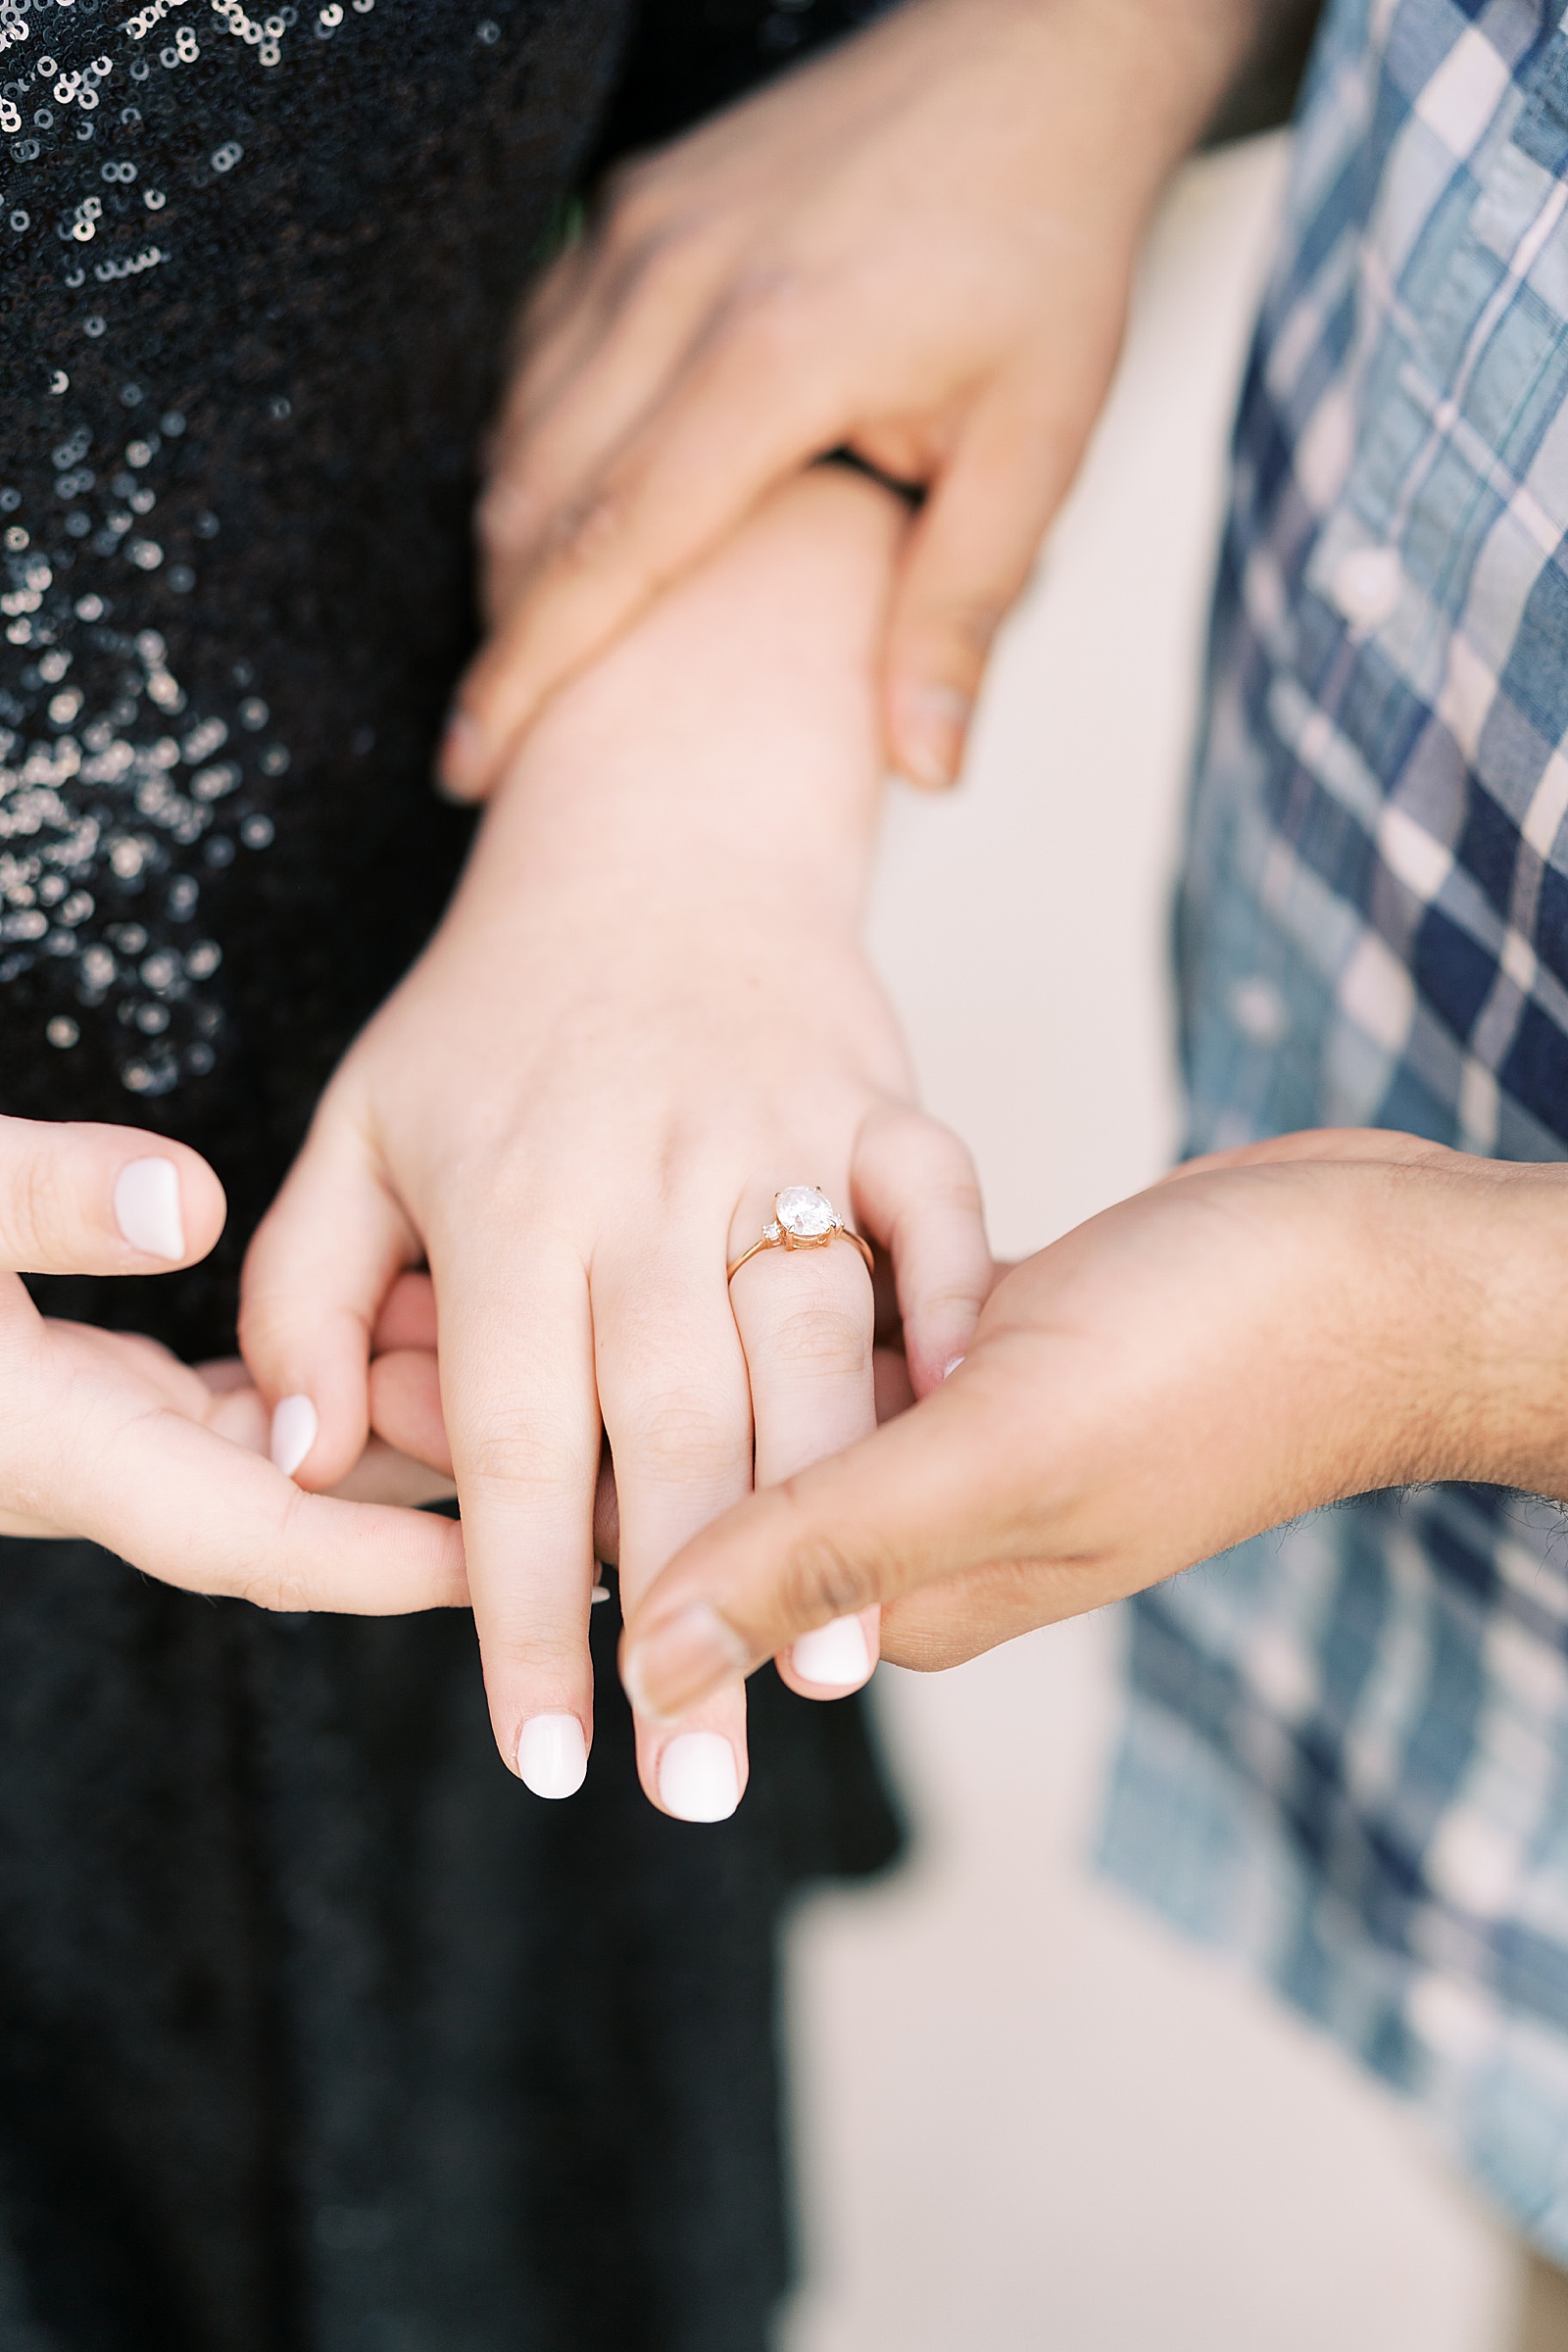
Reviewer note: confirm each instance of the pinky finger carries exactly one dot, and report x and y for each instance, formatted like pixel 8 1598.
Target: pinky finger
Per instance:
pixel 917 1196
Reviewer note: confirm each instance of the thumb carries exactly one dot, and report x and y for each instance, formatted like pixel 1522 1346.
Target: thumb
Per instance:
pixel 926 1497
pixel 88 1200
pixel 969 555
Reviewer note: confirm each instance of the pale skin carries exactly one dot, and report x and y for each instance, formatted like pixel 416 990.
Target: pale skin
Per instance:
pixel 106 1436
pixel 646 1011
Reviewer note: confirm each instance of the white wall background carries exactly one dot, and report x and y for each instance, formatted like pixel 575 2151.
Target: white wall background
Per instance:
pixel 1027 2118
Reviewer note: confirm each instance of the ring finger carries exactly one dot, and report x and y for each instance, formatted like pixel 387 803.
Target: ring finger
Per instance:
pixel 805 1316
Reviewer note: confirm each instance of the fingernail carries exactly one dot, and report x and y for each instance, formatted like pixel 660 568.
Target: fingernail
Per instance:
pixel 553 1756
pixel 836 1655
pixel 696 1778
pixel 951 1367
pixel 147 1208
pixel 294 1428
pixel 460 763
pixel 675 1664
pixel 932 721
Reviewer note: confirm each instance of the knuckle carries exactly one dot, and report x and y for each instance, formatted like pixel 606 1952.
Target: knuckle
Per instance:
pixel 501 1452
pixel 970 623
pixel 767 315
pixel 508 513
pixel 274 1589
pixel 264 1322
pixel 643 216
pixel 684 1434
pixel 35 1211
pixel 824 1338
pixel 274 1572
pixel 821 1580
pixel 580 529
pixel 630 206
pixel 547 1651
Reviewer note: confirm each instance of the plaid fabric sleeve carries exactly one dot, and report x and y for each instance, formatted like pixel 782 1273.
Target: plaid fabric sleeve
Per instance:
pixel 1347 1753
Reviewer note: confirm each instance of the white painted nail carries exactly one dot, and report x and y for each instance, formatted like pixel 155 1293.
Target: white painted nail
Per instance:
pixel 838 1655
pixel 696 1778
pixel 147 1208
pixel 294 1428
pixel 552 1755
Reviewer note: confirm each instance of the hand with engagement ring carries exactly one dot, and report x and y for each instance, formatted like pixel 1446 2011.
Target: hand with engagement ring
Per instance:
pixel 646 1017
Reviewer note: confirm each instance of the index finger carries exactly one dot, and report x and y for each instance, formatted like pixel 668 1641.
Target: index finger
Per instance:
pixel 197 1510
pixel 896 1511
pixel 750 408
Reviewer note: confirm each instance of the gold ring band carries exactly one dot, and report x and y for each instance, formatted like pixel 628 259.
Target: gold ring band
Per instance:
pixel 804 1218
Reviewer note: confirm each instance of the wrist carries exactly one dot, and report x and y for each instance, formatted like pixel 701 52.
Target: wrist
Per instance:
pixel 721 759
pixel 1156 73
pixel 1454 1294
pixel 1508 1267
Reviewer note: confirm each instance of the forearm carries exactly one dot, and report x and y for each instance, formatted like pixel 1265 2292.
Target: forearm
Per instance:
pixel 1395 1313
pixel 1144 78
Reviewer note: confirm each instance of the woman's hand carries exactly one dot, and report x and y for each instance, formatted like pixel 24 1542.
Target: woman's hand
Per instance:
pixel 1262 1332
pixel 919 246
pixel 108 1435
pixel 645 1011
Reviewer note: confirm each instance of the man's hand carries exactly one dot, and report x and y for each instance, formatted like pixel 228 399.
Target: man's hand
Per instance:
pixel 1262 1332
pixel 919 246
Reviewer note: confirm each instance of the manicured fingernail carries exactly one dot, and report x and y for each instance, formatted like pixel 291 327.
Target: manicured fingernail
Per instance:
pixel 461 761
pixel 670 1667
pixel 147 1208
pixel 932 721
pixel 696 1778
pixel 553 1756
pixel 836 1655
pixel 951 1367
pixel 294 1428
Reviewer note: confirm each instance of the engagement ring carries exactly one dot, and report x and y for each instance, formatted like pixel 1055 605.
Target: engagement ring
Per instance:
pixel 804 1218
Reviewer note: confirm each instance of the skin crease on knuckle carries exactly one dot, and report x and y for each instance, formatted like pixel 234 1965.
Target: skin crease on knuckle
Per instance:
pixel 38 1218
pixel 817 1582
pixel 823 1336
pixel 687 1442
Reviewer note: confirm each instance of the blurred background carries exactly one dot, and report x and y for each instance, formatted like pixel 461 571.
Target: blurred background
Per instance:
pixel 1024 2114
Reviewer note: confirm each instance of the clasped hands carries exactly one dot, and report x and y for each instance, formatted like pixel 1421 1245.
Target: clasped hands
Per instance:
pixel 629 1032
pixel 506 1235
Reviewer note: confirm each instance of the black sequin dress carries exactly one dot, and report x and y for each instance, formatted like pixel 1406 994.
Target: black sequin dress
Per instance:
pixel 316 2034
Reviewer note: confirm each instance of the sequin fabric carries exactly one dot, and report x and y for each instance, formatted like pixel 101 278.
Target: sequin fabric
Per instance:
pixel 255 277
pixel 315 2033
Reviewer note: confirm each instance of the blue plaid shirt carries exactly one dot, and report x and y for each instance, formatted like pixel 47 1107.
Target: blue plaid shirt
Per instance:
pixel 1347 1754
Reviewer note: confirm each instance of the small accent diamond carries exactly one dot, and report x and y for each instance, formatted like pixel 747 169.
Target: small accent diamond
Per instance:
pixel 805 1213
pixel 772 1233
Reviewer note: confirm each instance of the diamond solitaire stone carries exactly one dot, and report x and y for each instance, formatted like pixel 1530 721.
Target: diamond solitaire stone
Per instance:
pixel 805 1213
